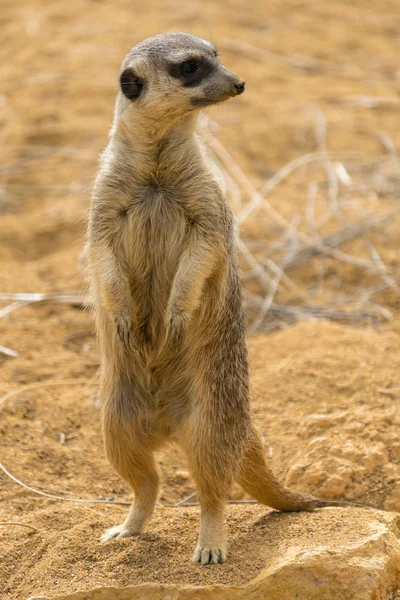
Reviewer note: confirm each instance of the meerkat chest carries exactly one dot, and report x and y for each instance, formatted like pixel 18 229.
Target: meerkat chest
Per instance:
pixel 154 229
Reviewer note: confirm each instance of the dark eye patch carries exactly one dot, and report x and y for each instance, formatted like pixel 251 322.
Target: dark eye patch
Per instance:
pixel 191 72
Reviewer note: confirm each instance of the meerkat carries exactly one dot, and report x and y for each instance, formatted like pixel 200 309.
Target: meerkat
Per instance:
pixel 168 300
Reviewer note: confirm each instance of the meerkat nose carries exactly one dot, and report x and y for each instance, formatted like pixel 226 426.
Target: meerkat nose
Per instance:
pixel 239 87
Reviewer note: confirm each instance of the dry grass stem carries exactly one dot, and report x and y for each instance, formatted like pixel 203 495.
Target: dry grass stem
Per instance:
pixel 395 391
pixel 27 486
pixel 18 524
pixel 8 352
pixel 25 299
pixel 370 102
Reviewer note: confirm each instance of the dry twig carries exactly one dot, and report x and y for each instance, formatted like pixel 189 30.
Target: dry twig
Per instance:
pixel 30 488
pixel 8 352
pixel 299 247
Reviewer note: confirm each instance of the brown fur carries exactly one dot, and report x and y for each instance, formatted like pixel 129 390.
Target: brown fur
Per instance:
pixel 165 283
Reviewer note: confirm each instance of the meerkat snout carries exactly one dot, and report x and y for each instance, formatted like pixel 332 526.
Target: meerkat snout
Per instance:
pixel 170 75
pixel 240 88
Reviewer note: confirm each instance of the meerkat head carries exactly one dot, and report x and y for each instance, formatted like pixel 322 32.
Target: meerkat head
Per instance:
pixel 173 74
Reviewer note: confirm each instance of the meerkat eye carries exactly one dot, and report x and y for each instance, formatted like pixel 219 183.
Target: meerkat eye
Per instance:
pixel 189 67
pixel 191 72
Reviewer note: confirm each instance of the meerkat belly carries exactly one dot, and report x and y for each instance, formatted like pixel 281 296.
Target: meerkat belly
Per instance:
pixel 154 241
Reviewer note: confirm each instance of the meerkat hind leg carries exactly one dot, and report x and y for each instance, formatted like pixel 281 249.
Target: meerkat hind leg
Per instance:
pixel 138 468
pixel 213 484
pixel 211 547
pixel 144 479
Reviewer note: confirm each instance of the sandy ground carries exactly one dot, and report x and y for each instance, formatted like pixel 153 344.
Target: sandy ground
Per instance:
pixel 325 396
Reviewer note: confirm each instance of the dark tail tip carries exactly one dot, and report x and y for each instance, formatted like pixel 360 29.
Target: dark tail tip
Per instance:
pixel 323 502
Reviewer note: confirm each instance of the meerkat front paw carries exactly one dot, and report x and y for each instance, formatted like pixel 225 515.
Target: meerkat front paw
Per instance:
pixel 124 327
pixel 118 532
pixel 176 325
pixel 209 556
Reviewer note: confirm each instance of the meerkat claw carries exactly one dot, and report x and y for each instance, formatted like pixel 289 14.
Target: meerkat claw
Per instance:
pixel 124 331
pixel 176 334
pixel 116 533
pixel 209 556
pixel 176 323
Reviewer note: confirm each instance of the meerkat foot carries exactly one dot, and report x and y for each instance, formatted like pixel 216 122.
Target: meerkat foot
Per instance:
pixel 209 556
pixel 118 532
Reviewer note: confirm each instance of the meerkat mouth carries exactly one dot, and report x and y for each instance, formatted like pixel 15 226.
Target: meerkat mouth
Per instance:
pixel 236 90
pixel 203 102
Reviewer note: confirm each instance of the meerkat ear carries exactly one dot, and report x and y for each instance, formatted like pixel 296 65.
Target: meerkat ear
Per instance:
pixel 131 85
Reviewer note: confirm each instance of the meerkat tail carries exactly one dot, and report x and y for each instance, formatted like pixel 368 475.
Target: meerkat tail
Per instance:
pixel 257 479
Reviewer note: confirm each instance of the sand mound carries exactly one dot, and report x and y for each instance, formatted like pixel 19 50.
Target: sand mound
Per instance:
pixel 319 404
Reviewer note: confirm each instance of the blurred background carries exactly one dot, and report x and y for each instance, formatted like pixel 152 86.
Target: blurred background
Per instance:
pixel 312 171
